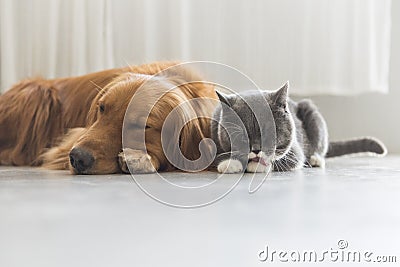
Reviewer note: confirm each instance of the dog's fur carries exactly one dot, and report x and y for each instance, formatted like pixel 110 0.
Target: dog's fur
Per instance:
pixel 42 120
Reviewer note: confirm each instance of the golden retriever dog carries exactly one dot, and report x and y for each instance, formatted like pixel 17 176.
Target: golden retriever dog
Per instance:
pixel 76 123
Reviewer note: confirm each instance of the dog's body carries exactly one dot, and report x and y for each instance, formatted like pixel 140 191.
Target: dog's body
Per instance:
pixel 35 113
pixel 77 122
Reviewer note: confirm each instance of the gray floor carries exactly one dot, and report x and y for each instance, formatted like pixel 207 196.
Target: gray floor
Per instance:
pixel 50 218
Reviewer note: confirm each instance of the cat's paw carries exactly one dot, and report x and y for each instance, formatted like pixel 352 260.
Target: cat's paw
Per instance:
pixel 317 161
pixel 137 160
pixel 253 166
pixel 230 166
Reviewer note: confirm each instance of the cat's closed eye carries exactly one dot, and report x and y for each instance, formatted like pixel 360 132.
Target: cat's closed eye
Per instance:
pixel 280 147
pixel 283 108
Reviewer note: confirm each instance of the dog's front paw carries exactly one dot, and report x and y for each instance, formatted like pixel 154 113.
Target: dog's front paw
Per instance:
pixel 137 161
pixel 230 166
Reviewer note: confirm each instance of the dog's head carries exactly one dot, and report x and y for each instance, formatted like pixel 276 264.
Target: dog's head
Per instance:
pixel 96 150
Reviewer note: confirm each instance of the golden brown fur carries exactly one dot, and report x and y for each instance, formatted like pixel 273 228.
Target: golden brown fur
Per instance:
pixel 42 120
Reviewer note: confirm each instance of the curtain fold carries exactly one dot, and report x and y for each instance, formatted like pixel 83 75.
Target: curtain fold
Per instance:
pixel 339 47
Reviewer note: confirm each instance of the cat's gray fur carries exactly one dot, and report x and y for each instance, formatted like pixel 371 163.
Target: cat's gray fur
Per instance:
pixel 301 133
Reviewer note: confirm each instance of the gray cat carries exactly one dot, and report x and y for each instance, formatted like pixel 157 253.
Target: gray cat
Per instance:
pixel 298 130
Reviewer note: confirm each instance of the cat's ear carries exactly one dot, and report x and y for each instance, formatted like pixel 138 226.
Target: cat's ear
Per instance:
pixel 224 98
pixel 280 96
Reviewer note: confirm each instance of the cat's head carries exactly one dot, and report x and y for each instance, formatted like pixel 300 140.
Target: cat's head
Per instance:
pixel 271 108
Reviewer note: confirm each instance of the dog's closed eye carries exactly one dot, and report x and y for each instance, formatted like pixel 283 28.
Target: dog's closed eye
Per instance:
pixel 101 108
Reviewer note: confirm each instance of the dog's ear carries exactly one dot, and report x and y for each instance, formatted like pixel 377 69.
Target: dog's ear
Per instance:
pixel 193 133
pixel 182 132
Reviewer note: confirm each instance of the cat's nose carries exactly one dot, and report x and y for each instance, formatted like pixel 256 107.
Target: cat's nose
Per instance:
pixel 256 151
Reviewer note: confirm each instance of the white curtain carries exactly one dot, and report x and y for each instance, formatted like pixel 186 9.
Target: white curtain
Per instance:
pixel 322 46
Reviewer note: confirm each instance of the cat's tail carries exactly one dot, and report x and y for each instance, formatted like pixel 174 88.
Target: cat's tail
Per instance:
pixel 369 145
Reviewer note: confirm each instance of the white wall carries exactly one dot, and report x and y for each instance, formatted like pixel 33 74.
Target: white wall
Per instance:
pixel 369 114
pixel 321 46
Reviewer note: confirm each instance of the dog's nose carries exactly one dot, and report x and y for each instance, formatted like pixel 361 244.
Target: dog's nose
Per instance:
pixel 80 159
pixel 256 151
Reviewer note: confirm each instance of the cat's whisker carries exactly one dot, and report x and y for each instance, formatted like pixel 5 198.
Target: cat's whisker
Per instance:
pixel 283 165
pixel 236 131
pixel 291 155
pixel 234 125
pixel 307 163
pixel 292 159
pixel 283 168
pixel 276 163
pixel 292 162
pixel 289 164
pixel 275 166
